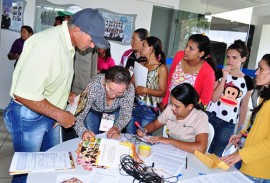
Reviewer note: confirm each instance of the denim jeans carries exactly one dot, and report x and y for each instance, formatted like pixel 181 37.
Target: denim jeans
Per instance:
pixel 143 115
pixel 30 131
pixel 223 132
pixel 258 180
pixel 93 119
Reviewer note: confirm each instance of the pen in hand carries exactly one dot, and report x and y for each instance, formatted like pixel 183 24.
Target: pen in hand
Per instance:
pixel 233 139
pixel 239 129
pixel 139 126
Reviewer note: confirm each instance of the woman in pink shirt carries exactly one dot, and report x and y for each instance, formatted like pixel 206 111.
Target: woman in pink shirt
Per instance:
pixel 105 61
pixel 193 65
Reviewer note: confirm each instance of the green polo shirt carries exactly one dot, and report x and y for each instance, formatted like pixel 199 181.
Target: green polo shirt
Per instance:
pixel 45 67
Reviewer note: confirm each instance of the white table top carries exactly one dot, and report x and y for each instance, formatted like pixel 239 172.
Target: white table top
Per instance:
pixel 194 166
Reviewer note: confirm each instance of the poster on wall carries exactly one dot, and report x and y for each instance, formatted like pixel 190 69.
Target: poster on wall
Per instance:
pixel 45 14
pixel 118 27
pixel 12 14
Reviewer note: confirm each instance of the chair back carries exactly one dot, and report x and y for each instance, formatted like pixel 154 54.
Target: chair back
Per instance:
pixel 210 136
pixel 165 134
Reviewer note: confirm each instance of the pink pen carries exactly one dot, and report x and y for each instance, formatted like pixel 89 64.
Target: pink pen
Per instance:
pixel 139 126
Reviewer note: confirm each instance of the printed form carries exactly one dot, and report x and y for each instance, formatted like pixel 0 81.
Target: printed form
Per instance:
pixel 235 177
pixel 25 162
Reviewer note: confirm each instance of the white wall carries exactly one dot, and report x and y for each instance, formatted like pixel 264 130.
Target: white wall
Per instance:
pixel 6 66
pixel 143 9
pixel 264 46
pixel 255 47
pixel 196 6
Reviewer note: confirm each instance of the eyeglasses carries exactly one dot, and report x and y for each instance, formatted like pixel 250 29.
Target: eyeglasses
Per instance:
pixel 117 94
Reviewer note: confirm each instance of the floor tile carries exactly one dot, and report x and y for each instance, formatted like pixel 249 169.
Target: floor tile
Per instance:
pixel 5 179
pixel 3 137
pixel 6 154
pixel 3 128
pixel 8 142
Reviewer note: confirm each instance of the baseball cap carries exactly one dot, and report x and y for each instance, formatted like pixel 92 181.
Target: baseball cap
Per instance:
pixel 70 11
pixel 91 22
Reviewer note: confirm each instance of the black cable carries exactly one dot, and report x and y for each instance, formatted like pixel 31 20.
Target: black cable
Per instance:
pixel 140 171
pixel 136 140
pixel 133 139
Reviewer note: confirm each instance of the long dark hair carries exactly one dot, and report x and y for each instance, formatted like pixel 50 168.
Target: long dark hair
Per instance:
pixel 108 52
pixel 204 44
pixel 28 29
pixel 186 94
pixel 240 46
pixel 142 33
pixel 157 46
pixel 264 92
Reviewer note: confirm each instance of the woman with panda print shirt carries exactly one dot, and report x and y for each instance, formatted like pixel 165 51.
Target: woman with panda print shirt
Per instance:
pixel 229 103
pixel 255 153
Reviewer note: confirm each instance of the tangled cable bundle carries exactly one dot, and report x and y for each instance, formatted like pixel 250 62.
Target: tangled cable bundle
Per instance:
pixel 140 172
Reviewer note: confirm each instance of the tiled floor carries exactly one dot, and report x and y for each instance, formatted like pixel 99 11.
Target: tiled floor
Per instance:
pixel 6 152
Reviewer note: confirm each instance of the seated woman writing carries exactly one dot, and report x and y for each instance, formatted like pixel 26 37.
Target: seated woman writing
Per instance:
pixel 109 104
pixel 188 126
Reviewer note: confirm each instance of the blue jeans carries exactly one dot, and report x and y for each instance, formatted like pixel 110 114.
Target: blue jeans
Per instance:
pixel 30 131
pixel 143 115
pixel 258 180
pixel 93 119
pixel 223 132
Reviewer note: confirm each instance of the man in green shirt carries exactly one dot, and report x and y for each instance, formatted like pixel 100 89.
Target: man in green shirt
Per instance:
pixel 42 81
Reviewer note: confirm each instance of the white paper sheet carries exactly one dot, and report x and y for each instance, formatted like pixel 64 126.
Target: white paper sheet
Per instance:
pixel 166 165
pixel 169 150
pixel 230 149
pixel 23 162
pixel 235 177
pixel 97 175
pixel 69 178
pixel 104 175
pixel 140 74
pixel 110 153
pixel 73 107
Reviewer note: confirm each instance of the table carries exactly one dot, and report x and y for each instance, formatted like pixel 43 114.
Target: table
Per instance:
pixel 194 166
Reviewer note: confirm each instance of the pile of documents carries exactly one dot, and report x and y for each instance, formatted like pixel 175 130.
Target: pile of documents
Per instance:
pixel 102 153
pixel 168 160
pixel 25 162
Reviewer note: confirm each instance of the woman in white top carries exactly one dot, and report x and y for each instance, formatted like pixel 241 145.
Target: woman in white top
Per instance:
pixel 228 107
pixel 187 124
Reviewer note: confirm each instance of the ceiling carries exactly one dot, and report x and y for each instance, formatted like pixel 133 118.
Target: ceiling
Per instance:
pixel 261 9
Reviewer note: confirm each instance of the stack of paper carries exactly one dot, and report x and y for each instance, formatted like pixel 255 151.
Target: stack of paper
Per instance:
pixel 168 161
pixel 25 162
pixel 235 177
pixel 103 153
